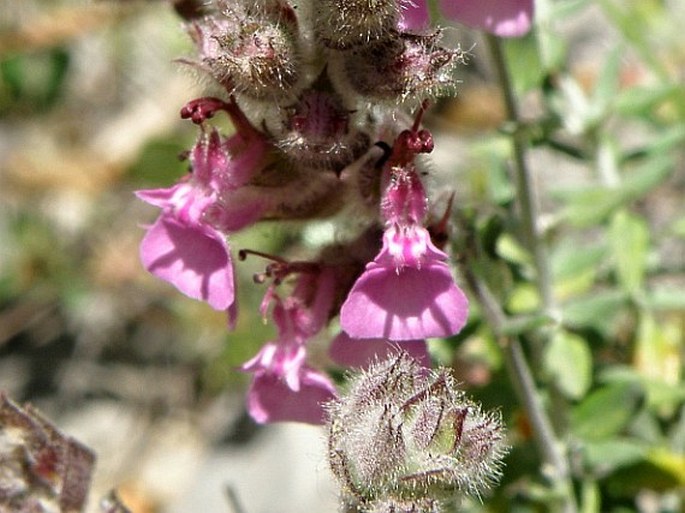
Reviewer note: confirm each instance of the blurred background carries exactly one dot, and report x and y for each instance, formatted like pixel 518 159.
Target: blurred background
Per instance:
pixel 89 103
pixel 89 100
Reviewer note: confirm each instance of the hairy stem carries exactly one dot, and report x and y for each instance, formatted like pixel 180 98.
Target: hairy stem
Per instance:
pixel 525 193
pixel 555 463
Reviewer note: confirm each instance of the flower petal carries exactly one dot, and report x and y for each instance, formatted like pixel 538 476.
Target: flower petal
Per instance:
pixel 504 18
pixel 269 398
pixel 408 304
pixel 355 352
pixel 196 261
pixel 413 15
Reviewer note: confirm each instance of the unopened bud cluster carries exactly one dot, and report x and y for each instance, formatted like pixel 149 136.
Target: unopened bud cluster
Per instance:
pixel 404 439
pixel 279 51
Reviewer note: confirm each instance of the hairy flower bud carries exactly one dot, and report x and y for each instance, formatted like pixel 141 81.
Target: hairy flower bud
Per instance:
pixel 250 50
pixel 405 439
pixel 318 133
pixel 343 24
pixel 408 67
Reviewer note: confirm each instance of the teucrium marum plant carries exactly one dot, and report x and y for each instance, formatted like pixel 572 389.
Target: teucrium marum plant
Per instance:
pixel 327 99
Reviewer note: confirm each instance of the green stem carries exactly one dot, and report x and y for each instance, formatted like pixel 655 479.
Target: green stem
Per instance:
pixel 555 463
pixel 525 194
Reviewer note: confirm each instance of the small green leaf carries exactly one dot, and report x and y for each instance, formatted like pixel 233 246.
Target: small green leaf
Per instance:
pixel 657 352
pixel 660 472
pixel 524 299
pixel 665 298
pixel 561 10
pixel 590 497
pixel 571 257
pixel 594 309
pixel 662 397
pixel 526 323
pixel 591 205
pixel 568 360
pixel 629 239
pixel 664 141
pixel 529 70
pixel 605 412
pixel 607 85
pixel 640 100
pixel 510 249
pixel 608 455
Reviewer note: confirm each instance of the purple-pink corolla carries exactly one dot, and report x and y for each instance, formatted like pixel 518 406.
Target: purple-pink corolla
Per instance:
pixel 407 292
pixel 182 246
pixel 284 387
pixel 402 298
pixel 363 352
pixel 504 18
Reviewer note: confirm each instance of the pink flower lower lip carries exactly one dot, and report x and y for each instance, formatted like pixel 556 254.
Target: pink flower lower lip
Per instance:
pixel 196 260
pixel 504 18
pixel 407 304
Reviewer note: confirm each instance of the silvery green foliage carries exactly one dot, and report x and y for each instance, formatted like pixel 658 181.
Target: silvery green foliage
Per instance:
pixel 404 438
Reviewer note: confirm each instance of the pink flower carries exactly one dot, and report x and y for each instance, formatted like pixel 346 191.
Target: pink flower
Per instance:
pixel 406 293
pixel 413 15
pixel 180 247
pixel 284 387
pixel 270 399
pixel 504 18
pixel 353 352
pixel 193 258
pixel 184 246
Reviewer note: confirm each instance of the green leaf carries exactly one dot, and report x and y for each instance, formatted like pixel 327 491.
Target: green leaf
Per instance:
pixel 662 397
pixel 636 21
pixel 590 497
pixel 605 456
pixel 159 163
pixel 594 309
pixel 567 8
pixel 568 360
pixel 641 100
pixel 660 472
pixel 571 257
pixel 591 205
pixel 511 250
pixel 665 141
pixel 629 240
pixel 678 228
pixel 552 48
pixel 665 298
pixel 524 299
pixel 606 88
pixel 605 412
pixel 526 323
pixel 657 352
pixel 529 71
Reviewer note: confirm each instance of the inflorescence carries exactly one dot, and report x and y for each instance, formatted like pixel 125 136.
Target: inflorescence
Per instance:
pixel 330 87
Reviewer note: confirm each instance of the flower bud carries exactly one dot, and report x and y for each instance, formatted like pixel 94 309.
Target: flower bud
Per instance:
pixel 343 24
pixel 318 133
pixel 408 67
pixel 405 439
pixel 250 50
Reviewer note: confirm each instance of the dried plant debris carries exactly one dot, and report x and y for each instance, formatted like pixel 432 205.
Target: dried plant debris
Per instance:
pixel 41 469
pixel 112 504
